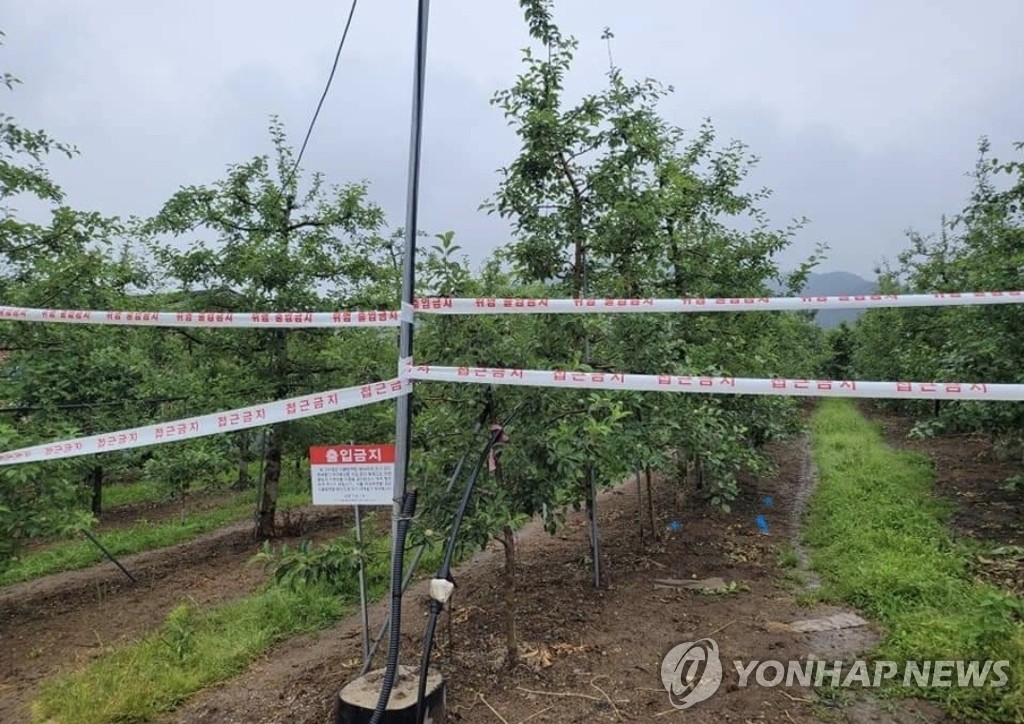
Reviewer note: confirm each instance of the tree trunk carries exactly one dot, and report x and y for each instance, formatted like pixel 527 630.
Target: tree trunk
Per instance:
pixel 687 477
pixel 683 467
pixel 675 258
pixel 243 460
pixel 640 506
pixel 508 540
pixel 96 478
pixel 266 511
pixel 650 505
pixel 580 261
pixel 600 572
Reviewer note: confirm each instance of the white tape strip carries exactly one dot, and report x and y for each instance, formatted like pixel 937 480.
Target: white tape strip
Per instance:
pixel 498 305
pixel 407 313
pixel 404 366
pixel 251 320
pixel 721 385
pixel 294 408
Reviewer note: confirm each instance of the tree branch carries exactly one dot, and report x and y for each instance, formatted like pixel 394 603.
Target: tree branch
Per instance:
pixel 305 223
pixel 570 413
pixel 186 335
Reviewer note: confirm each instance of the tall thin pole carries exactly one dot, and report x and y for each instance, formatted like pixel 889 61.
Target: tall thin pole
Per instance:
pixel 595 533
pixel 403 417
pixel 363 613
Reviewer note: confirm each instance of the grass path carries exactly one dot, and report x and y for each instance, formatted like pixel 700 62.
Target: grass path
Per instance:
pixel 879 538
pixel 72 555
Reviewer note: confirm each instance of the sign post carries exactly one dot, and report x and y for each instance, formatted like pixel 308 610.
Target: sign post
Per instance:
pixel 362 586
pixel 354 475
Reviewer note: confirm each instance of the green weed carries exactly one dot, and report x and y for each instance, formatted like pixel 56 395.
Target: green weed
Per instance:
pixel 192 650
pixel 142 491
pixel 880 540
pixel 310 588
pixel 143 536
pixel 787 556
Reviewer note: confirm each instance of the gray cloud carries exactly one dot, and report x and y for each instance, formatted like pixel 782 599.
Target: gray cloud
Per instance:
pixel 865 115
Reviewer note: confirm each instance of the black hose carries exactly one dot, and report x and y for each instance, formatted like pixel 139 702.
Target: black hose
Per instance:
pixel 391 667
pixel 444 571
pixel 486 414
pixel 421 690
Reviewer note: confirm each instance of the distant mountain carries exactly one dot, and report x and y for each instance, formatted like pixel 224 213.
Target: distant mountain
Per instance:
pixel 830 284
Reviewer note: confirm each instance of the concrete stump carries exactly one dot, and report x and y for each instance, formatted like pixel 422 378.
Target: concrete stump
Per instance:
pixel 356 701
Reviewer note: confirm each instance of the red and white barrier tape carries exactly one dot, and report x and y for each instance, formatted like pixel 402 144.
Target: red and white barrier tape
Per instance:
pixel 251 320
pixel 500 305
pixel 720 385
pixel 503 305
pixel 293 408
pixel 331 401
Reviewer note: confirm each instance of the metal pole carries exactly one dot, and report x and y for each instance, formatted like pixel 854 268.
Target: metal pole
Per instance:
pixel 594 531
pixel 420 550
pixel 590 482
pixel 640 506
pixel 362 585
pixel 108 554
pixel 403 415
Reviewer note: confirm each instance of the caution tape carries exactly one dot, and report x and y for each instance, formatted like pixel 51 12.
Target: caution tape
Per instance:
pixel 345 398
pixel 503 305
pixel 293 408
pixel 250 320
pixel 719 385
pixel 506 305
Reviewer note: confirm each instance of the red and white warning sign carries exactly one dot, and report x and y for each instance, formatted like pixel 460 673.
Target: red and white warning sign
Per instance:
pixel 352 474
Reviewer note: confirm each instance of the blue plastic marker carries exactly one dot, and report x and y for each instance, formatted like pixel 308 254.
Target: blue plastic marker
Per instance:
pixel 767 500
pixel 762 524
pixel 675 526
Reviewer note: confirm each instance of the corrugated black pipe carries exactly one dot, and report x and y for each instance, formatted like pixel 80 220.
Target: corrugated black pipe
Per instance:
pixel 391 667
pixel 445 570
pixel 485 415
pixel 416 559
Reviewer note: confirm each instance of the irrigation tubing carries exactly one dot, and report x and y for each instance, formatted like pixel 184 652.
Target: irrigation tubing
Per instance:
pixel 391 667
pixel 422 548
pixel 444 571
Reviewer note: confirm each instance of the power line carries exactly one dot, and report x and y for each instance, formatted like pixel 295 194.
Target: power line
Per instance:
pixel 327 88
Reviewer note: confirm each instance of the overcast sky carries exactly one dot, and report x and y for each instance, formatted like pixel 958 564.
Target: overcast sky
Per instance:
pixel 865 114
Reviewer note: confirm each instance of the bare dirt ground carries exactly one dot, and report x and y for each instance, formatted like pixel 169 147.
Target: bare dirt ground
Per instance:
pixel 594 655
pixel 56 623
